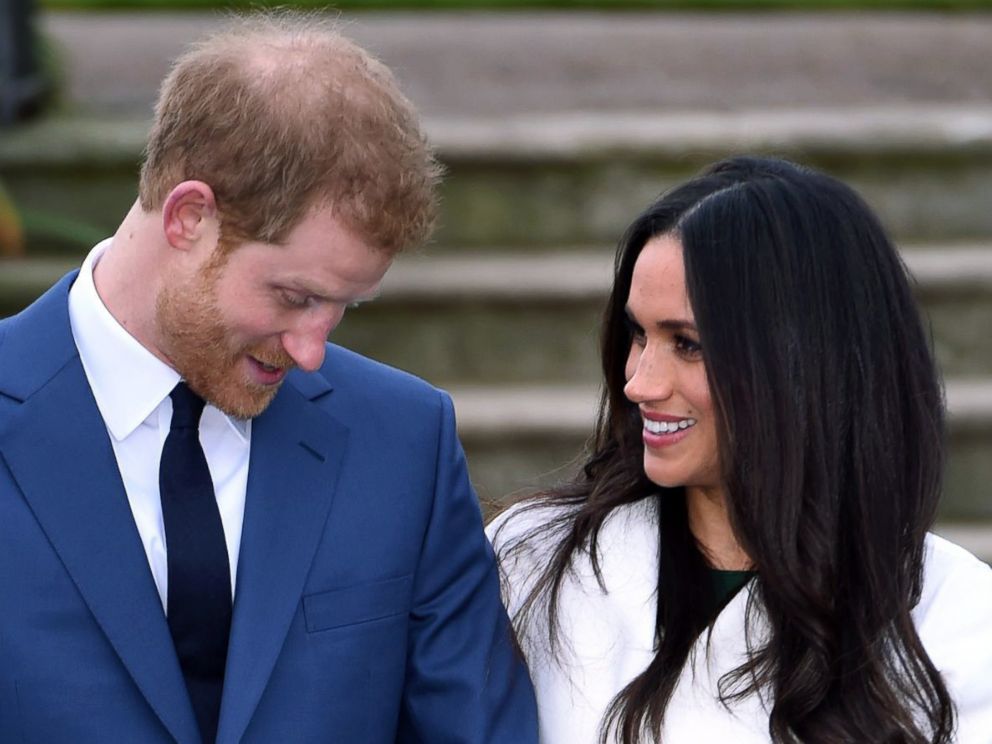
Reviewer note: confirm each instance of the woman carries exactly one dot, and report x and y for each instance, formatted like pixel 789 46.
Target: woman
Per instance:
pixel 745 555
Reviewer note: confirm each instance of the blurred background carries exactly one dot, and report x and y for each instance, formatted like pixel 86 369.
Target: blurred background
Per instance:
pixel 558 122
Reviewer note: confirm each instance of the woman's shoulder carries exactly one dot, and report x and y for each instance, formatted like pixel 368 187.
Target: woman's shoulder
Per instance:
pixel 521 519
pixel 536 522
pixel 523 538
pixel 954 621
pixel 527 535
pixel 956 599
pixel 952 574
pixel 605 623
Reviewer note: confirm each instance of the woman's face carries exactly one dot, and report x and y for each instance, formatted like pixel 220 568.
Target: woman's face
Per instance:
pixel 666 377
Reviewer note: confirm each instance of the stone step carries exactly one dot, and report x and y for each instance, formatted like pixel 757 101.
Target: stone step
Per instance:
pixel 581 177
pixel 494 63
pixel 515 318
pixel 519 438
pixel 506 318
pixel 524 181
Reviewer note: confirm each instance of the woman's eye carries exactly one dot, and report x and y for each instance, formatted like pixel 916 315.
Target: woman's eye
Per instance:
pixel 636 333
pixel 688 348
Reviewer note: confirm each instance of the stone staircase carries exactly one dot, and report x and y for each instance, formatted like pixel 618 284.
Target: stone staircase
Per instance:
pixel 503 309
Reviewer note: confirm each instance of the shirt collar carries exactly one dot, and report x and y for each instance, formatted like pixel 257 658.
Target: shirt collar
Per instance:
pixel 128 381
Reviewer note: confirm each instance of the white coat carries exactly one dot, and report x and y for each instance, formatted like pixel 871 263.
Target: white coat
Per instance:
pixel 609 637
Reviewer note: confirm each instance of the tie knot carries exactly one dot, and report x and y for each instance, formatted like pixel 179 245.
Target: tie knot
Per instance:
pixel 187 407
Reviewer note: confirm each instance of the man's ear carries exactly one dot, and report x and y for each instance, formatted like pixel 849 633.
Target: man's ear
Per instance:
pixel 189 216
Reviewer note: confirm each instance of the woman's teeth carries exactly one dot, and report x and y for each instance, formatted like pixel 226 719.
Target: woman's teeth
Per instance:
pixel 668 427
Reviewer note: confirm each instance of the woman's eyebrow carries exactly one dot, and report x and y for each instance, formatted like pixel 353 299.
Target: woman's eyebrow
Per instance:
pixel 672 324
pixel 676 325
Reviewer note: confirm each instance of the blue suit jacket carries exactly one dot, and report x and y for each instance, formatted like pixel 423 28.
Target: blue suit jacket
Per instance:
pixel 367 608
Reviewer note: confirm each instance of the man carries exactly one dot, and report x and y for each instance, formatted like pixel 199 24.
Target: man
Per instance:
pixel 175 433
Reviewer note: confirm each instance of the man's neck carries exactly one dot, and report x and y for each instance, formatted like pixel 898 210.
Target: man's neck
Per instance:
pixel 127 278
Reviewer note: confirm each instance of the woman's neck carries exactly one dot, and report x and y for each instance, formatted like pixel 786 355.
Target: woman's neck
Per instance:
pixel 710 525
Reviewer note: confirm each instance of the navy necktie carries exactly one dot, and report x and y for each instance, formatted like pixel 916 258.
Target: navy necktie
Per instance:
pixel 199 594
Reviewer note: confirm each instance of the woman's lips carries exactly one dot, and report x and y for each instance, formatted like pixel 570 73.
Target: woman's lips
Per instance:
pixel 658 441
pixel 663 430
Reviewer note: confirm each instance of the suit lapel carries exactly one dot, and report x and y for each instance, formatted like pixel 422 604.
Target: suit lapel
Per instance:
pixel 80 502
pixel 296 453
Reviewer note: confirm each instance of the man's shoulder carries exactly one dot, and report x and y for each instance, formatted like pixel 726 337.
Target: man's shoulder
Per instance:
pixel 344 367
pixel 361 380
pixel 50 308
pixel 36 342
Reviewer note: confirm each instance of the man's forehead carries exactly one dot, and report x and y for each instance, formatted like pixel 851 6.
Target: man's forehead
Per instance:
pixel 331 268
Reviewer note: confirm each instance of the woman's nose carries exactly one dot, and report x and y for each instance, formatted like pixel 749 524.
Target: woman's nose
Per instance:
pixel 649 377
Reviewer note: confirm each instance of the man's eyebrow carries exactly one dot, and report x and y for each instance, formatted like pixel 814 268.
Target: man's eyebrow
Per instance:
pixel 669 324
pixel 302 287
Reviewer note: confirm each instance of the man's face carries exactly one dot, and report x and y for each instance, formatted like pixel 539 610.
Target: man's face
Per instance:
pixel 243 319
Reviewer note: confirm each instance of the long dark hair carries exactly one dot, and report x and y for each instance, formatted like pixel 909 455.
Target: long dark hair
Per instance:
pixel 831 435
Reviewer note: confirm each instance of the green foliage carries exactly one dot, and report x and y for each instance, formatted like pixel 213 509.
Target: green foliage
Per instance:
pixel 11 232
pixel 49 227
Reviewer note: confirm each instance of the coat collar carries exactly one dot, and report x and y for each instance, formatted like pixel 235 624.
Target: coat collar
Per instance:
pixel 296 454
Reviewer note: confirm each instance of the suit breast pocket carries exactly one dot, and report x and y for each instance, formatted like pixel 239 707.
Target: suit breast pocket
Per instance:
pixel 354 605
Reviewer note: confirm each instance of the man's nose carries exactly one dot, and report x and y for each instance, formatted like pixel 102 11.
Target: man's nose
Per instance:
pixel 305 342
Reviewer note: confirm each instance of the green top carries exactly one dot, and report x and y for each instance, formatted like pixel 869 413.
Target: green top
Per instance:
pixel 727 583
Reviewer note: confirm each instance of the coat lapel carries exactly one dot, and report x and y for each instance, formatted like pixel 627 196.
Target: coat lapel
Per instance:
pixel 80 501
pixel 296 453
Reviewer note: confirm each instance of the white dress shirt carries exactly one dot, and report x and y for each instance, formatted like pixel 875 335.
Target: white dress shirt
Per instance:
pixel 131 387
